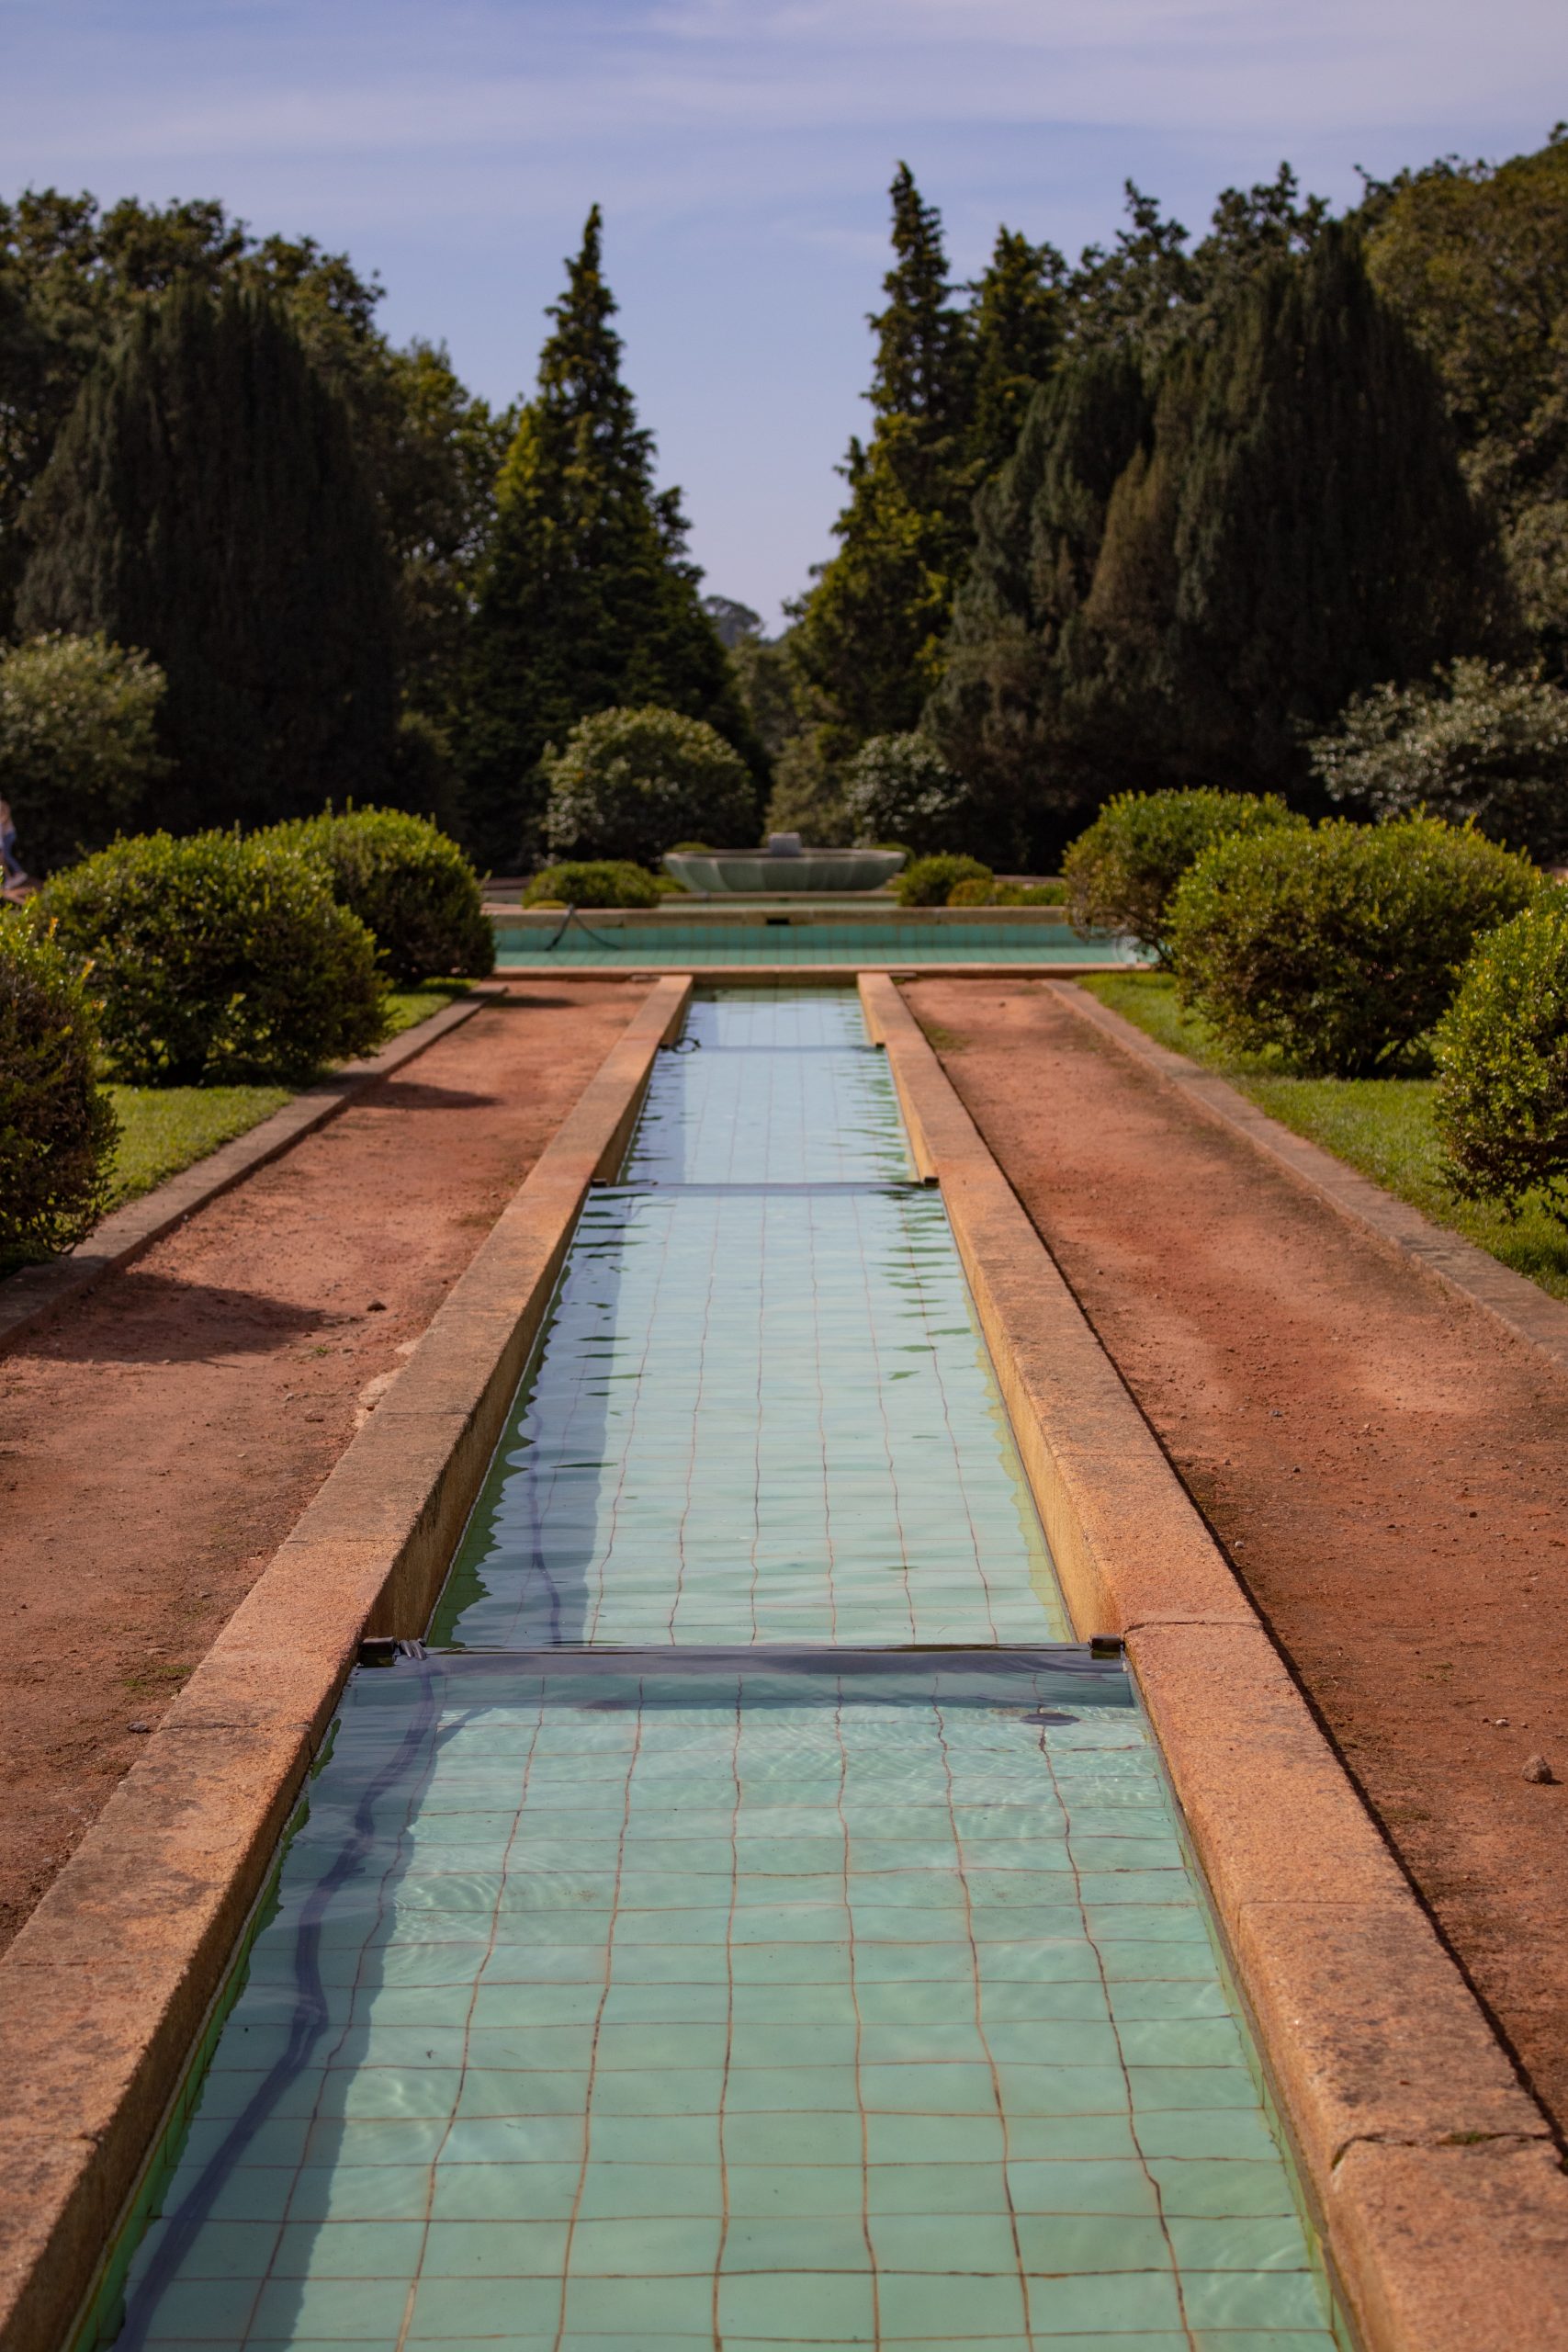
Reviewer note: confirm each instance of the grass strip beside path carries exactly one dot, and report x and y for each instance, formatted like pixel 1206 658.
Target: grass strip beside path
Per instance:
pixel 1381 1125
pixel 164 1129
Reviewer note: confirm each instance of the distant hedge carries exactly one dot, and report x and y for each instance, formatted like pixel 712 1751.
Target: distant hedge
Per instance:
pixel 218 957
pixel 594 882
pixel 57 1130
pixel 931 881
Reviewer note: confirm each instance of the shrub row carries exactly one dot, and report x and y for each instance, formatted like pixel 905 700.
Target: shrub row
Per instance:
pixel 1354 950
pixel 206 958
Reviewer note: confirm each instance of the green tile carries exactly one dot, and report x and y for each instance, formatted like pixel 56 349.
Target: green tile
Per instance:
pixel 801 2305
pixel 801 2139
pixel 656 2139
pixel 1052 2243
pixel 503 2192
pixel 1119 2304
pixel 813 2242
pixel 480 2307
pixel 1081 2186
pixel 944 2241
pixel 339 2311
pixel 977 2305
pixel 643 2308
pixel 673 2246
pixel 780 2191
pixel 633 2191
pixel 1227 2298
pixel 1223 2187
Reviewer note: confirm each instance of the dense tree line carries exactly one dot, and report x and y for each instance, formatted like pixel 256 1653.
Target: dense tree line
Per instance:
pixel 1159 516
pixel 354 579
pixel 1236 483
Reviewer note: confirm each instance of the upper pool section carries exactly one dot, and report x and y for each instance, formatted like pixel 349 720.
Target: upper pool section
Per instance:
pixel 690 936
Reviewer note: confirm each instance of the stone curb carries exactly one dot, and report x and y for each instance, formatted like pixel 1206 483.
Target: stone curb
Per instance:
pixel 1437 2183
pixel 105 1990
pixel 1398 1230
pixel 802 976
pixel 31 1297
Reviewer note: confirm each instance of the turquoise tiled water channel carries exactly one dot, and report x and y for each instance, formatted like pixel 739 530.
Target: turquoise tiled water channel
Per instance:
pixel 650 946
pixel 753 1983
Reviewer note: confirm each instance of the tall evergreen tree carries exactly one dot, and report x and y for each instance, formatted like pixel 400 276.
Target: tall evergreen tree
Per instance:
pixel 998 711
pixel 1278 523
pixel 204 502
pixel 948 392
pixel 587 599
pixel 1018 319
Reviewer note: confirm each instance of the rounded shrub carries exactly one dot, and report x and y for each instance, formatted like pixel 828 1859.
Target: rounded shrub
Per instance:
pixel 900 786
pixel 971 893
pixel 1340 946
pixel 410 884
pixel 630 782
pixel 219 957
pixel 1121 874
pixel 57 1130
pixel 931 881
pixel 78 743
pixel 1502 1055
pixel 594 882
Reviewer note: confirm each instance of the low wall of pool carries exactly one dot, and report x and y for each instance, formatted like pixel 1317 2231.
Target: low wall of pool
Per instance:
pixel 688 937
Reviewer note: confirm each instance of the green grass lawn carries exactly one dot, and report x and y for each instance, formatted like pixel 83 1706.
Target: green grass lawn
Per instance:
pixel 165 1128
pixel 1381 1126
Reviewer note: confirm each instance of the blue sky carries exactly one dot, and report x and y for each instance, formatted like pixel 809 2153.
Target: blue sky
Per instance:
pixel 741 149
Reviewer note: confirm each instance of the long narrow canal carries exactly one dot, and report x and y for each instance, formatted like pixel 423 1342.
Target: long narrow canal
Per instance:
pixel 754 1923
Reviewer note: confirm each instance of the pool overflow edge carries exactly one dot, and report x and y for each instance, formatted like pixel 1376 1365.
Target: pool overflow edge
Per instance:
pixel 1433 2171
pixel 111 1983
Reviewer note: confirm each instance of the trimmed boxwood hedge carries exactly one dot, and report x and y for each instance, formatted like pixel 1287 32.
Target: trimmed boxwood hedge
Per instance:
pixel 931 881
pixel 410 884
pixel 218 957
pixel 594 882
pixel 1502 1055
pixel 57 1129
pixel 1340 946
pixel 1122 873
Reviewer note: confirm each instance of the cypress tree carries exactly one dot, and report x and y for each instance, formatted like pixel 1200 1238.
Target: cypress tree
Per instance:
pixel 1302 533
pixel 204 502
pixel 587 600
pixel 948 392
pixel 1018 624
pixel 871 630
pixel 1173 584
pixel 1017 321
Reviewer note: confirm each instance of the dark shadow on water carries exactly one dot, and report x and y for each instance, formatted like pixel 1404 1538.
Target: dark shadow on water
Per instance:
pixel 519 1574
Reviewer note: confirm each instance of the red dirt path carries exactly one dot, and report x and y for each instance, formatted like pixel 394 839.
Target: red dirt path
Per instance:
pixel 158 1440
pixel 1385 1465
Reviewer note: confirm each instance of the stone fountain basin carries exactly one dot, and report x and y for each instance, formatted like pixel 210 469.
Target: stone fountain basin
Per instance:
pixel 721 872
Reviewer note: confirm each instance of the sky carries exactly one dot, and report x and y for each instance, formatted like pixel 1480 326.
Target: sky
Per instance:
pixel 741 150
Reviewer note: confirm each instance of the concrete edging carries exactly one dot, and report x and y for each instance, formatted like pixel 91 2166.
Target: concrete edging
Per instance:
pixel 105 1990
pixel 806 976
pixel 31 1297
pixel 1443 2203
pixel 1400 1231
